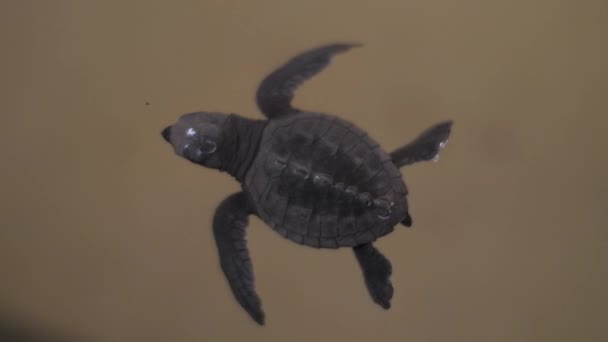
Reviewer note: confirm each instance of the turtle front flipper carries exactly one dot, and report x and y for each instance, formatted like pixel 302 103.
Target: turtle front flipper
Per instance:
pixel 377 272
pixel 425 147
pixel 276 91
pixel 229 223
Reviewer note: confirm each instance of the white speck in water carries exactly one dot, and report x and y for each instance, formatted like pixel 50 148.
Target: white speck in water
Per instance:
pixel 436 158
pixel 443 143
pixel 190 132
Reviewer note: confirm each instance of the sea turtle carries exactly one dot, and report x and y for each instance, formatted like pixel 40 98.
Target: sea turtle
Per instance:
pixel 316 179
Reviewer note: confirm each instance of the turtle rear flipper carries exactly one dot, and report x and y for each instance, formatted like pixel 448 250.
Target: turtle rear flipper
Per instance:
pixel 425 147
pixel 276 91
pixel 377 272
pixel 229 223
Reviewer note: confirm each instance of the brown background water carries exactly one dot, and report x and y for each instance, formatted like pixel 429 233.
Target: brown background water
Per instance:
pixel 105 234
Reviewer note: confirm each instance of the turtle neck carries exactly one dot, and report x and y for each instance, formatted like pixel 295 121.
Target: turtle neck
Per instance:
pixel 241 139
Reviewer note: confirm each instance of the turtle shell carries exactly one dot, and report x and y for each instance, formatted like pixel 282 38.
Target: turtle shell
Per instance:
pixel 320 181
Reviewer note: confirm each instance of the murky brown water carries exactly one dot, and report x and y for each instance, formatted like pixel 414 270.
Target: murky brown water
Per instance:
pixel 106 234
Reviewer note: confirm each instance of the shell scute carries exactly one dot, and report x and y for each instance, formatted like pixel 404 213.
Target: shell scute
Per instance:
pixel 319 182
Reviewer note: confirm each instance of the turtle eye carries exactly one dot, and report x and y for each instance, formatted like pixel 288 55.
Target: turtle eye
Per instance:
pixel 208 146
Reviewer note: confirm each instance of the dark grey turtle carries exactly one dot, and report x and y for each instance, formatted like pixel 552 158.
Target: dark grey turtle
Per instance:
pixel 314 178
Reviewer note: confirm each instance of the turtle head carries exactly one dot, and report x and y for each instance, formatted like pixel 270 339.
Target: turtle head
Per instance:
pixel 197 137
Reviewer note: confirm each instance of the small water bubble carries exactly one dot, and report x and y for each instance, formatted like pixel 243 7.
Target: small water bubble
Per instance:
pixel 190 132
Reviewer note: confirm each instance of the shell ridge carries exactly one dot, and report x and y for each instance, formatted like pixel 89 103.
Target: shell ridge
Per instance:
pixel 320 190
pixel 288 192
pixel 313 143
pixel 272 157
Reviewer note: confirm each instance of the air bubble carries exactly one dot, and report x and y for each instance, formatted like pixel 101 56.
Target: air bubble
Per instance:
pixel 190 132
